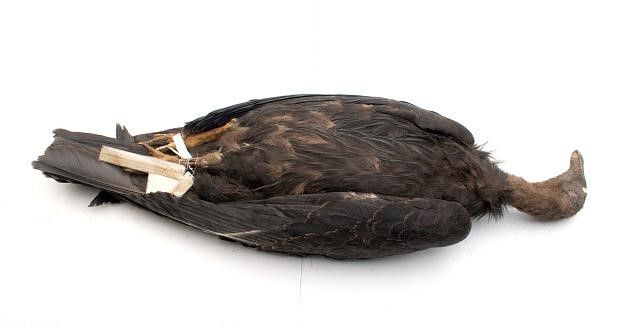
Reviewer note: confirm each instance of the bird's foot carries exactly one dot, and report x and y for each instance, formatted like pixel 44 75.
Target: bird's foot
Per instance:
pixel 160 139
pixel 162 146
pixel 212 135
pixel 155 152
pixel 160 143
pixel 206 160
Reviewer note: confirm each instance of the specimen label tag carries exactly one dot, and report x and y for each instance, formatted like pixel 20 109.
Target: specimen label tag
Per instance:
pixel 181 147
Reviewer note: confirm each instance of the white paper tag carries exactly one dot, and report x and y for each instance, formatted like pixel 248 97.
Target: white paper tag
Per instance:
pixel 159 183
pixel 181 147
pixel 184 184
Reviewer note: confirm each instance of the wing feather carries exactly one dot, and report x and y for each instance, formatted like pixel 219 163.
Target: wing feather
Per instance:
pixel 339 225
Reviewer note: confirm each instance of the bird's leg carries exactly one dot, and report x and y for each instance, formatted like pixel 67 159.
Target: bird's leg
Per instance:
pixel 190 141
pixel 194 140
pixel 210 135
pixel 159 139
pixel 160 155
pixel 206 160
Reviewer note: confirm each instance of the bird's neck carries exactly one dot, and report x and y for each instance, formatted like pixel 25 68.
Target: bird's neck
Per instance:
pixel 537 199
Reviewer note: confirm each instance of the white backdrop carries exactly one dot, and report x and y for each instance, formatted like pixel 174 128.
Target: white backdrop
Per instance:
pixel 534 80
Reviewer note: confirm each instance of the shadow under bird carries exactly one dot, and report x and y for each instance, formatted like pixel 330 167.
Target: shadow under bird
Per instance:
pixel 336 175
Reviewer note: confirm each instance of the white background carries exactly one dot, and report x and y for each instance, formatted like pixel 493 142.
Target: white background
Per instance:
pixel 535 80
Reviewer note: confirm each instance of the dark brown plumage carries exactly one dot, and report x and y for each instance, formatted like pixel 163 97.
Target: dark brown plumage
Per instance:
pixel 337 175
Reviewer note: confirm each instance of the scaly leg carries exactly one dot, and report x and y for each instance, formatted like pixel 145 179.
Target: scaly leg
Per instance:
pixel 206 160
pixel 190 141
pixel 160 155
pixel 159 139
pixel 211 135
pixel 194 140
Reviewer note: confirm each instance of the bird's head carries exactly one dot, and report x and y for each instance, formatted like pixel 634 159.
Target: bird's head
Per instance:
pixel 572 188
pixel 556 198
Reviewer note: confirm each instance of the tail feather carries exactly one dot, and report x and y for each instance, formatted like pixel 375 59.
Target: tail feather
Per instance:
pixel 97 141
pixel 104 197
pixel 73 157
pixel 122 134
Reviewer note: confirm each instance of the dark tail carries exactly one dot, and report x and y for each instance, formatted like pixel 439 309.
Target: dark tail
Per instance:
pixel 73 158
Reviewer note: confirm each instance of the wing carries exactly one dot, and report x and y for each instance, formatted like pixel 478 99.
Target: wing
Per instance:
pixel 338 225
pixel 426 120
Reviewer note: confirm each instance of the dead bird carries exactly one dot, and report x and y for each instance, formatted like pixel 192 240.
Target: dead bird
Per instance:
pixel 336 175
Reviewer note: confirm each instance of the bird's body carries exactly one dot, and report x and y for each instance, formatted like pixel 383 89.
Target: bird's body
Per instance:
pixel 342 176
pixel 321 144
